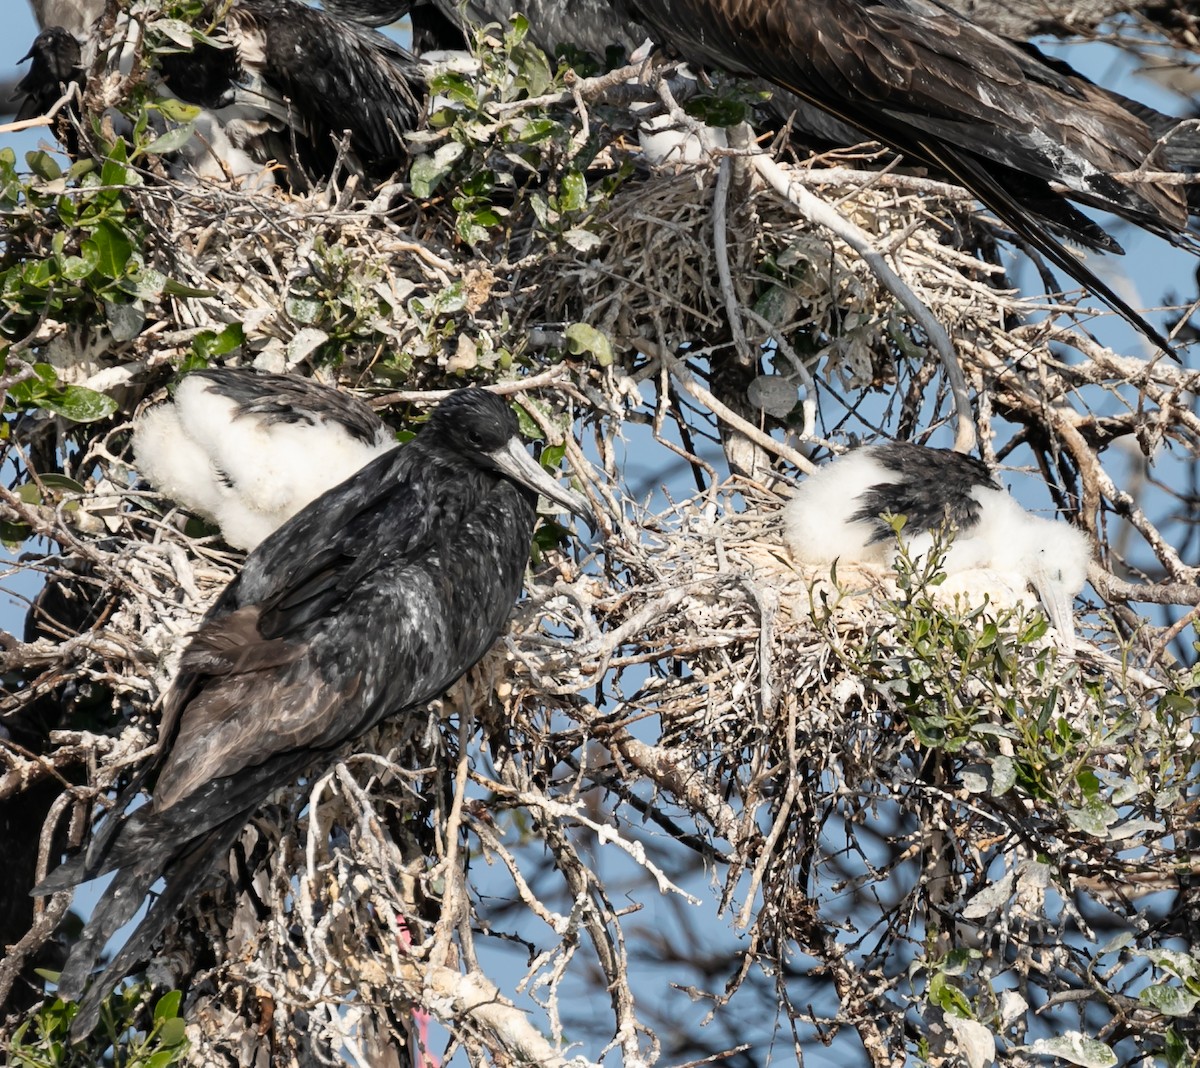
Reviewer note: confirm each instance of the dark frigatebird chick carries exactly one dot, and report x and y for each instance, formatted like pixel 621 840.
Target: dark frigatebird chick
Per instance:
pixel 835 516
pixel 247 450
pixel 54 66
pixel 279 80
pixel 368 603
pixel 1021 132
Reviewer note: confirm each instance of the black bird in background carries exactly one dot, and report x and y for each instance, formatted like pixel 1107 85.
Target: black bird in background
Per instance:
pixel 368 603
pixel 54 64
pixel 286 84
pixel 1025 135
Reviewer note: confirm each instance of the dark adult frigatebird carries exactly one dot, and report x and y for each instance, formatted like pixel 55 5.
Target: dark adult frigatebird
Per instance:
pixel 368 603
pixel 247 450
pixel 1022 133
pixel 280 80
pixel 835 515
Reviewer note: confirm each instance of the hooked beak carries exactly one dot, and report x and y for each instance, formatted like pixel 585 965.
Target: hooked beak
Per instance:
pixel 1058 602
pixel 514 460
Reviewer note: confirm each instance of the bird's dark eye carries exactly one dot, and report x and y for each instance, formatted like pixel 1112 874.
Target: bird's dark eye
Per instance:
pixel 474 438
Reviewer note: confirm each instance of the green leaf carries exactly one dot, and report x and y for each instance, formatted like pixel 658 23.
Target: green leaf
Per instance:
pixel 582 338
pixel 191 362
pixel 1178 1052
pixel 80 168
pixel 43 165
pixel 1036 629
pixel 53 480
pixel 582 240
pixel 716 110
pixel 455 87
pixel 29 391
pixel 77 268
pixel 210 343
pixel 536 130
pixel 519 29
pixel 13 535
pixel 177 110
pixel 947 997
pixel 957 961
pixel 1181 964
pixel 125 321
pixel 172 141
pixel 114 172
pixel 1088 784
pixel 80 404
pixel 427 172
pixel 38 274
pixel 572 195
pixel 1094 818
pixel 113 249
pixel 168 1005
pixel 1075 1048
pixel 1004 775
pixel 1169 1000
pixel 303 309
pixel 171 288
pixel 173 1032
pixel 468 230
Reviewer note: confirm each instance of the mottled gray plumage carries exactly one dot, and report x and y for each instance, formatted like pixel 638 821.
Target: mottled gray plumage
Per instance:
pixel 369 12
pixel 368 603
pixel 247 450
pixel 836 515
pixel 273 398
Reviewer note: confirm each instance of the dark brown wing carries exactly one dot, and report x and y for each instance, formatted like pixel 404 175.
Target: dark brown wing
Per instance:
pixel 1015 130
pixel 911 73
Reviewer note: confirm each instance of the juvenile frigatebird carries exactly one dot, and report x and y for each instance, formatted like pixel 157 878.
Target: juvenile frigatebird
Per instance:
pixel 279 80
pixel 247 450
pixel 835 515
pixel 368 603
pixel 54 65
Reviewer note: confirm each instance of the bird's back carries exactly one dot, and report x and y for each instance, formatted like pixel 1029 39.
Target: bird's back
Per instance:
pixel 372 601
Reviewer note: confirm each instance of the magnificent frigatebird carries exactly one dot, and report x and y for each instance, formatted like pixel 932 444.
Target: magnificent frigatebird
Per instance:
pixel 1025 134
pixel 835 515
pixel 368 603
pixel 280 80
pixel 54 65
pixel 248 450
pixel 1022 133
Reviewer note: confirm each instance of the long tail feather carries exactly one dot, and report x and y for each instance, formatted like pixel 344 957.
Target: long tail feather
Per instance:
pixel 116 908
pixel 995 196
pixel 183 880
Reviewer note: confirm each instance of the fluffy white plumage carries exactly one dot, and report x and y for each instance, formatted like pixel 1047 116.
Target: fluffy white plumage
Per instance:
pixel 998 547
pixel 242 470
